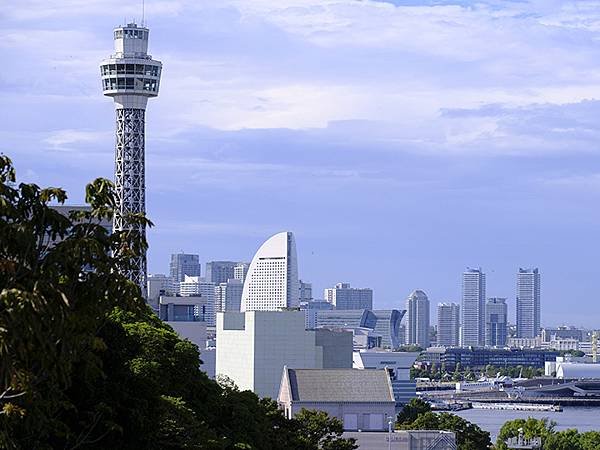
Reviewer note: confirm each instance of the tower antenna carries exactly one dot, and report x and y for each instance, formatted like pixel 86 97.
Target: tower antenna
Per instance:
pixel 143 11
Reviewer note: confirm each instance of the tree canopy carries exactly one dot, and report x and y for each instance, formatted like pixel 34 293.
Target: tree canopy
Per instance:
pixel 84 363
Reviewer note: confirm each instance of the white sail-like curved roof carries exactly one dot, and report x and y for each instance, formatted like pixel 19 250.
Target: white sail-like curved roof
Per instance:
pixel 572 371
pixel 272 280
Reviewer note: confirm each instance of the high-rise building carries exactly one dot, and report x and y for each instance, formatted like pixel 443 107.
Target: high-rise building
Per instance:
pixel 157 285
pixel 417 319
pixel 528 303
pixel 130 76
pixel 305 292
pixel 183 264
pixel 473 308
pixel 496 321
pixel 272 280
pixel 220 271
pixel 342 296
pixel 240 271
pixel 228 296
pixel 448 328
pixel 197 287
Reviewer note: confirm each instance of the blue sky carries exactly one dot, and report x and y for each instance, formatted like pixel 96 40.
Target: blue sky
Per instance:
pixel 401 141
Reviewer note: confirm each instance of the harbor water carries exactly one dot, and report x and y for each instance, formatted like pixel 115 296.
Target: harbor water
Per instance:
pixel 580 418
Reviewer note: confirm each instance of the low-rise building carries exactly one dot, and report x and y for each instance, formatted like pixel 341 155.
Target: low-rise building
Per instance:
pixel 404 440
pixel 253 347
pixel 476 357
pixel 361 399
pixel 398 366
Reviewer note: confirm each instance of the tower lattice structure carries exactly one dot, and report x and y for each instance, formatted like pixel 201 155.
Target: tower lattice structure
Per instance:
pixel 130 76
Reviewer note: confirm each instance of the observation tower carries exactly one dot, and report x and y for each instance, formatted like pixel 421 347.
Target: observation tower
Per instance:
pixel 130 77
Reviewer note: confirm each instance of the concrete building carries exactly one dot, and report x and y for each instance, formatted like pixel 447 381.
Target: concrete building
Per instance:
pixel 417 319
pixel 386 323
pixel 496 321
pixel 183 264
pixel 549 333
pixel 254 346
pixel 342 296
pixel 473 308
pixel 240 271
pixel 528 303
pixel 310 309
pixel 197 287
pixel 130 76
pixel 397 364
pixel 186 309
pixel 228 296
pixel 404 440
pixel 272 280
pixel 220 271
pixel 448 324
pixel 361 399
pixel 305 291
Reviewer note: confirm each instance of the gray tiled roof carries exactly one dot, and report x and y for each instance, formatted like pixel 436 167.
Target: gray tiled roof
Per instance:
pixel 340 385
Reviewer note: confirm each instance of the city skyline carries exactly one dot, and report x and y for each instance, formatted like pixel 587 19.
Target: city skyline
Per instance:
pixel 471 131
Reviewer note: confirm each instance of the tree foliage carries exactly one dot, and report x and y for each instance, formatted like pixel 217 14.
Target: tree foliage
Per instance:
pixel 551 439
pixel 413 409
pixel 84 363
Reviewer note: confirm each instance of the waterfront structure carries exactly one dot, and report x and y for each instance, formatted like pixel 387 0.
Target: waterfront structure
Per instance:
pixel 228 295
pixel 305 291
pixel 130 76
pixel 360 399
pixel 473 308
pixel 480 357
pixel 578 371
pixel 528 303
pixel 272 280
pixel 220 271
pixel 496 318
pixel 448 324
pixel 342 296
pixel 183 264
pixel 417 319
pixel 403 440
pixel 398 366
pixel 386 323
pixel 254 346
pixel 240 271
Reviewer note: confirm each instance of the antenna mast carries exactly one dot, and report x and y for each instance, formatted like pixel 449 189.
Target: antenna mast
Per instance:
pixel 143 11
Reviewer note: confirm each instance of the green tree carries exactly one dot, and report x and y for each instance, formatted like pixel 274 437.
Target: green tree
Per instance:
pixel 563 440
pixel 531 428
pixel 468 435
pixel 319 431
pixel 590 440
pixel 413 409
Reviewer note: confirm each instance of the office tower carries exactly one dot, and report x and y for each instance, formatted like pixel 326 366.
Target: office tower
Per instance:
pixel 448 320
pixel 240 271
pixel 197 287
pixel 496 318
pixel 272 280
pixel 528 303
pixel 228 296
pixel 417 319
pixel 184 264
pixel 473 308
pixel 219 271
pixel 130 76
pixel 310 310
pixel 254 346
pixel 342 296
pixel 157 285
pixel 305 292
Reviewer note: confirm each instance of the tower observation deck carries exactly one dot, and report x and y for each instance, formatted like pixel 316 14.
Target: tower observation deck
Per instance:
pixel 130 76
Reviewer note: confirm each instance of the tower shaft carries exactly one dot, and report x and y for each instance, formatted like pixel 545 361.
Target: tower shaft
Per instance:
pixel 130 180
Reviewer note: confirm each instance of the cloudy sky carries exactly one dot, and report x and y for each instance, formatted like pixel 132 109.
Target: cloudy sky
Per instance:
pixel 401 141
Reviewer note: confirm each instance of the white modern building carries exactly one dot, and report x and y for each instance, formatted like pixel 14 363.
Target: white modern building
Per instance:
pixel 528 303
pixel 417 319
pixel 197 287
pixel 342 296
pixel 272 280
pixel 228 296
pixel 254 346
pixel 473 308
pixel 240 271
pixel 448 324
pixel 496 322
pixel 397 364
